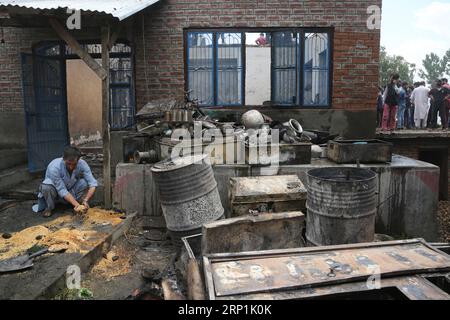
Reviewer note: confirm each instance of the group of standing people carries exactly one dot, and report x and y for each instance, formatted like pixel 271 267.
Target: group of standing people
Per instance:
pixel 400 105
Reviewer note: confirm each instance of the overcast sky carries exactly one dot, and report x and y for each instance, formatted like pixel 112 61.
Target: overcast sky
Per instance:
pixel 413 28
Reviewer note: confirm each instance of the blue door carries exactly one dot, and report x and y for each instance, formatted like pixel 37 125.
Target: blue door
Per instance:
pixel 44 96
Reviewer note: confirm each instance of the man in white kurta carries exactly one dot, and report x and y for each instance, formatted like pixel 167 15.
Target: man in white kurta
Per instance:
pixel 421 105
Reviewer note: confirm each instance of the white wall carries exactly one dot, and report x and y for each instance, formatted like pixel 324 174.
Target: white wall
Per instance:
pixel 257 77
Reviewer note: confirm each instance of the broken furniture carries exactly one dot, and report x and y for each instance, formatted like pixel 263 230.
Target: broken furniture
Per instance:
pixel 188 194
pixel 406 269
pixel 341 206
pixel 363 151
pixel 267 231
pixel 266 194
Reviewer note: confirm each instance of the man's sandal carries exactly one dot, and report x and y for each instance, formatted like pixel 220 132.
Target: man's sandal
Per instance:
pixel 47 214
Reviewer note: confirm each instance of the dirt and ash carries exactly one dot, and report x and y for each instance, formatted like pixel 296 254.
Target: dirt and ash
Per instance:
pixel 77 233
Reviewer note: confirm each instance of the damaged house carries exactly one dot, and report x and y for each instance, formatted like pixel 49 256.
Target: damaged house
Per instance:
pixel 117 78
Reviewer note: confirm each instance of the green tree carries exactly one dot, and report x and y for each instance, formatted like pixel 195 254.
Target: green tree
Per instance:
pixel 390 64
pixel 435 67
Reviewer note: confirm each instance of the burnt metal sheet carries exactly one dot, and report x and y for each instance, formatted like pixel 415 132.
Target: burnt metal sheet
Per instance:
pixel 364 151
pixel 273 271
pixel 120 9
pixel 411 287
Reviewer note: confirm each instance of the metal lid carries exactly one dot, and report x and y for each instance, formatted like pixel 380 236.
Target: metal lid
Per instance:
pixel 178 163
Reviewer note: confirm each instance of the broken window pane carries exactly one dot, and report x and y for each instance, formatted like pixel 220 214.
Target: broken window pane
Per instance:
pixel 200 67
pixel 316 70
pixel 257 68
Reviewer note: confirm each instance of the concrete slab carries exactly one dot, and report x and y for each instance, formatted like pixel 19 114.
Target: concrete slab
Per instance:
pixel 48 275
pixel 254 233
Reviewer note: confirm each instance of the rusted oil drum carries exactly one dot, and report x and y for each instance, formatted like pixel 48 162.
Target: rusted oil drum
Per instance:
pixel 188 194
pixel 341 206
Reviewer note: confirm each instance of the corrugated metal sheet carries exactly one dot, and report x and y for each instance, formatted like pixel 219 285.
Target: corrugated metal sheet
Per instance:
pixel 120 9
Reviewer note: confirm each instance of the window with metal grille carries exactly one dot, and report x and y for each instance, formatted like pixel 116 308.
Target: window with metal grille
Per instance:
pixel 220 67
pixel 214 64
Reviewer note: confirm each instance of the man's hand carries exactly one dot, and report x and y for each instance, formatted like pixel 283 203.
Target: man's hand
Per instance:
pixel 85 203
pixel 80 209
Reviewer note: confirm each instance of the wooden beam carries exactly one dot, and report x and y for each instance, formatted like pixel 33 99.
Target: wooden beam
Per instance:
pixel 114 36
pixel 106 107
pixel 76 47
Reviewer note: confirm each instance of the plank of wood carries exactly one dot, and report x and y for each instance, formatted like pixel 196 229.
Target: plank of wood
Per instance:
pixel 76 47
pixel 195 284
pixel 106 106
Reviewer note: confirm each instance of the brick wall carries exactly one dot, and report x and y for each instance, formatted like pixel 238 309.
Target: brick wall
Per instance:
pixel 356 48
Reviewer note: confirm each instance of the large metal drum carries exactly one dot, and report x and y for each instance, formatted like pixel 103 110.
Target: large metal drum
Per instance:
pixel 188 194
pixel 341 206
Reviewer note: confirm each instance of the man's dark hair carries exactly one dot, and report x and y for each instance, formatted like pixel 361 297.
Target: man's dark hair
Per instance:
pixel 439 83
pixel 71 153
pixel 395 76
pixel 444 80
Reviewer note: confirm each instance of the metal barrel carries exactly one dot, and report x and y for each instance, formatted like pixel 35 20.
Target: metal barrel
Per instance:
pixel 188 194
pixel 341 206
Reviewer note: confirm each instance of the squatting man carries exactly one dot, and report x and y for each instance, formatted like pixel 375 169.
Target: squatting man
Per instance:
pixel 68 180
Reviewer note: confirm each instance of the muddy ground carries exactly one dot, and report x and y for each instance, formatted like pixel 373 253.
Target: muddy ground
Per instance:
pixel 133 268
pixel 444 220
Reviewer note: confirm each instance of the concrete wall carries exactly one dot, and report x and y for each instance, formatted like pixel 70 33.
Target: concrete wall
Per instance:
pixel 257 75
pixel 411 147
pixel 12 129
pixel 84 100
